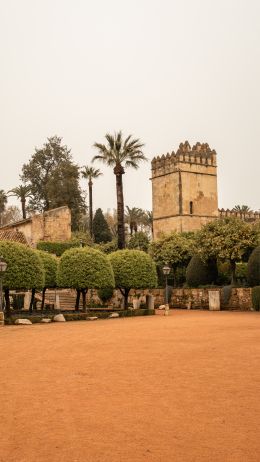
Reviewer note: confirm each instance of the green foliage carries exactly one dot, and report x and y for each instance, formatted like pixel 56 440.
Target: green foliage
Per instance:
pixel 83 268
pixel 226 239
pixel 256 298
pixel 119 153
pixel 224 273
pixel 108 247
pixel 57 248
pixel 174 249
pixel 101 231
pixel 81 237
pixel 105 294
pixel 253 269
pixel 139 241
pixel 17 301
pixel 54 179
pixel 50 264
pixel 24 266
pixel 200 273
pixel 226 293
pixel 133 269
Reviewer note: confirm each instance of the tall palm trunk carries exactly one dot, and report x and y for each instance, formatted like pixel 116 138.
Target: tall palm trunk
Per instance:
pixel 23 208
pixel 119 171
pixel 90 208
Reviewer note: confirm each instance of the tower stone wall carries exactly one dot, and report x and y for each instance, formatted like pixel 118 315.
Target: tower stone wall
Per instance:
pixel 184 189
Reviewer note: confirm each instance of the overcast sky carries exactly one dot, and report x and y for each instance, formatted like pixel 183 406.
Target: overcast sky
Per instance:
pixel 165 71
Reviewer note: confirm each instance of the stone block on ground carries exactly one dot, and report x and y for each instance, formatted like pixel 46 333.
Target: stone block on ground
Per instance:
pixel 23 322
pixel 214 300
pixel 45 320
pixel 92 318
pixel 114 315
pixel 59 318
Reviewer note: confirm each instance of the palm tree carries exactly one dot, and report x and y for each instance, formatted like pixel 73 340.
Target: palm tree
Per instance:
pixel 148 220
pixel 89 173
pixel 3 202
pixel 21 192
pixel 242 209
pixel 133 217
pixel 119 153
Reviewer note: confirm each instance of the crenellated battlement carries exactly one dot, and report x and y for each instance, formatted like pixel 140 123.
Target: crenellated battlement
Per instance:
pixel 246 216
pixel 200 154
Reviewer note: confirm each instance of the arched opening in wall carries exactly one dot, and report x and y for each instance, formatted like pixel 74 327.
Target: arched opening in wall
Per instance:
pixel 191 208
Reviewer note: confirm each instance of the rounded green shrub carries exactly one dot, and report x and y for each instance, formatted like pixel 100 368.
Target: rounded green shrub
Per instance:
pixel 133 269
pixel 253 268
pixel 200 273
pixel 256 298
pixel 50 264
pixel 24 267
pixel 105 294
pixel 83 268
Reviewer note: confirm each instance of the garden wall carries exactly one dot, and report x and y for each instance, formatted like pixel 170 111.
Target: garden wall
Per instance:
pixel 240 298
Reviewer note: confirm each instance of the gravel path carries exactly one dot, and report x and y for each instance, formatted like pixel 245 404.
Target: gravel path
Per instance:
pixel 157 389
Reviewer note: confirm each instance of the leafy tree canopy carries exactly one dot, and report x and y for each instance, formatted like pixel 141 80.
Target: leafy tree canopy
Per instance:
pixel 50 264
pixel 133 269
pixel 83 268
pixel 54 179
pixel 174 249
pixel 24 266
pixel 226 239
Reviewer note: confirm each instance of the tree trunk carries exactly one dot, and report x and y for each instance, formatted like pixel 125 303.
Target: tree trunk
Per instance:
pixel 7 303
pixel 23 208
pixel 233 272
pixel 43 298
pixel 77 300
pixel 119 171
pixel 84 293
pixel 90 208
pixel 125 293
pixel 32 300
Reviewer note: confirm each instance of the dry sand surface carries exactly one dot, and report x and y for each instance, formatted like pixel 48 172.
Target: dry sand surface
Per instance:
pixel 179 388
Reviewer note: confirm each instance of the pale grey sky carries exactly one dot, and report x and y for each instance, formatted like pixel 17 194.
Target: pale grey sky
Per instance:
pixel 165 71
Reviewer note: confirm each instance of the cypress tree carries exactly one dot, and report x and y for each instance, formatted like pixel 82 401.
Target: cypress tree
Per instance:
pixel 101 231
pixel 201 273
pixel 253 268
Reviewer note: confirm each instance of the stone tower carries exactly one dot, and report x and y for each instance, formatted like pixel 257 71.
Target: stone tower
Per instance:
pixel 184 188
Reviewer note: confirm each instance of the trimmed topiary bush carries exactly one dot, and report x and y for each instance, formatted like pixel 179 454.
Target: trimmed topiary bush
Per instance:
pixel 24 268
pixel 133 269
pixel 84 268
pixel 253 268
pixel 200 273
pixel 58 248
pixel 105 294
pixel 256 298
pixel 50 264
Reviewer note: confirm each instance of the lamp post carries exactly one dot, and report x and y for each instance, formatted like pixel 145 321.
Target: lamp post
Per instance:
pixel 3 266
pixel 166 271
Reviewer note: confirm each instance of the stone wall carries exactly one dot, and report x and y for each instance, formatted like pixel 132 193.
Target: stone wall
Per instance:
pixel 240 298
pixel 54 225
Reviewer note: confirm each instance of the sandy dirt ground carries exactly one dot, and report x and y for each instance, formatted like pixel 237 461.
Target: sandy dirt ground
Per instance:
pixel 180 388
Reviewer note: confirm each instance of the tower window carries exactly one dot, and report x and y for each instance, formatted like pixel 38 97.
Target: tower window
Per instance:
pixel 191 208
